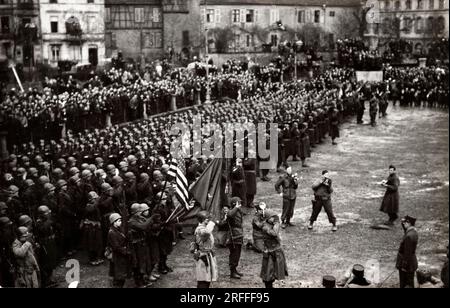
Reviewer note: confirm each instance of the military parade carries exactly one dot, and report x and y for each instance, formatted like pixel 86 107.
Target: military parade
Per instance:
pixel 90 171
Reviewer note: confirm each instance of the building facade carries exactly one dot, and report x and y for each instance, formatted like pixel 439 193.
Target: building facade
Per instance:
pixel 73 30
pixel 20 32
pixel 183 27
pixel 417 21
pixel 247 25
pixel 134 27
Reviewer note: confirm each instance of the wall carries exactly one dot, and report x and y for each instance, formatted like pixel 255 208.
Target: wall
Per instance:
pixel 91 18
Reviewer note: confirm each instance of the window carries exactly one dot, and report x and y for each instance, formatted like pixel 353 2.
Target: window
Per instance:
pixel 407 25
pixel 430 24
pixel 397 5
pixel 91 24
pixel 419 24
pixel 386 25
pixel 316 16
pixel 250 16
pixel 408 4
pixel 53 1
pixel 431 5
pixel 418 48
pixel 419 4
pixel 249 40
pixel 185 37
pixel 387 4
pixel 5 24
pixel 301 17
pixel 210 16
pixel 274 39
pixel 332 13
pixel 55 51
pixel 90 1
pixel 237 40
pixel 441 4
pixel 236 16
pixel 107 14
pixel 121 17
pixel 440 24
pixel 139 14
pixel 53 26
pixel 274 16
pixel 156 15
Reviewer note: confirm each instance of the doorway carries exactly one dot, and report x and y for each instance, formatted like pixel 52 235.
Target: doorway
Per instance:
pixel 93 56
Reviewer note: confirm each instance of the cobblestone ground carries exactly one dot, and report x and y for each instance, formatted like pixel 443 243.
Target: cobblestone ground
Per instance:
pixel 414 140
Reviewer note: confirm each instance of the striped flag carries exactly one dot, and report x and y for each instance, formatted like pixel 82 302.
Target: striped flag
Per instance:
pixel 177 171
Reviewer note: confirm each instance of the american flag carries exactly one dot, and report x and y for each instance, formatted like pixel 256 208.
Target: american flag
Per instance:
pixel 177 171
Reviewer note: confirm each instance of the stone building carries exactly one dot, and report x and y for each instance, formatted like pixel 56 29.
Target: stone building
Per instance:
pixel 417 21
pixel 20 32
pixel 246 25
pixel 73 30
pixel 134 27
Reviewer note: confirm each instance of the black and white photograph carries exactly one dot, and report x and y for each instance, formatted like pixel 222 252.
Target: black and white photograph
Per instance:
pixel 225 144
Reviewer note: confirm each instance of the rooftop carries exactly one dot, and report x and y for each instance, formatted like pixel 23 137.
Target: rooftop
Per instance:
pixel 334 3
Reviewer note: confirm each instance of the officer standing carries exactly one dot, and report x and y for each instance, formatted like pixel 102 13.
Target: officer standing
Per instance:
pixel 406 257
pixel 287 186
pixel 236 236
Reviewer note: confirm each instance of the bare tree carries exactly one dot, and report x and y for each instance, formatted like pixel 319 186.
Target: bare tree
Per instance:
pixel 345 26
pixel 221 38
pixel 361 22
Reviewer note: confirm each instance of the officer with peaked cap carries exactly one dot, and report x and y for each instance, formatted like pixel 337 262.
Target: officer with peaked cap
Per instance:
pixel 406 257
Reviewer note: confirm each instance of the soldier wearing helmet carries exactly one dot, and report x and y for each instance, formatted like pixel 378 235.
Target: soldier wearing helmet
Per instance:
pixel 111 172
pixel 118 242
pixel 25 221
pixel 118 194
pixel 57 174
pixel 73 171
pixel 85 186
pixel 49 198
pixel 144 189
pixel 27 268
pixel 130 188
pixel 92 231
pixel 14 203
pixel 138 227
pixel 67 217
pixel 46 237
pixel 123 168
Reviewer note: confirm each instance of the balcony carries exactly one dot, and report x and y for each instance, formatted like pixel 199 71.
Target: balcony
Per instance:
pixel 28 33
pixel 29 6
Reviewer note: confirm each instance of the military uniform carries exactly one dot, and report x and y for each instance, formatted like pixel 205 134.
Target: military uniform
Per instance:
pixel 249 165
pixel 406 258
pixel 287 185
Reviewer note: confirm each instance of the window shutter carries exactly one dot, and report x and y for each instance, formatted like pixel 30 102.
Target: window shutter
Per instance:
pixel 242 16
pixel 203 15
pixel 272 16
pixel 217 17
pixel 308 15
pixel 156 15
pixel 256 16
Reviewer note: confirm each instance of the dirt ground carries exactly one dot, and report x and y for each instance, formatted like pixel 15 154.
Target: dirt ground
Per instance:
pixel 414 140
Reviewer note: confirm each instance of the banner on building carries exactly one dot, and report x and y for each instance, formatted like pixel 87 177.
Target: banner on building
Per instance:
pixel 374 76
